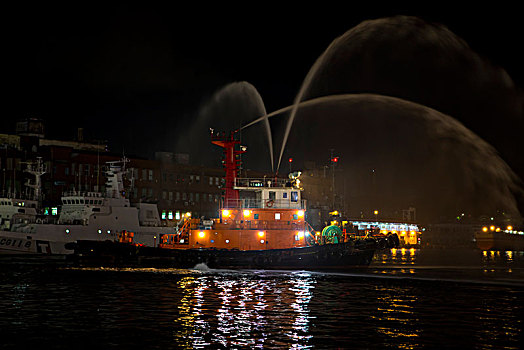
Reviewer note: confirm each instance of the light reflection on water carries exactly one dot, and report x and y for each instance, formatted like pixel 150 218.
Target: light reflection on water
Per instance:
pixel 381 307
pixel 241 311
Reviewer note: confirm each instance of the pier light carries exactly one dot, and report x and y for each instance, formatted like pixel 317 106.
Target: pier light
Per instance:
pixel 300 213
pixel 510 228
pixel 403 233
pixel 67 231
pixel 497 229
pixel 100 231
pixel 492 228
pixel 188 214
pixel 201 234
pixel 247 213
pixel 485 229
pixel 317 233
pixel 226 213
pixel 260 233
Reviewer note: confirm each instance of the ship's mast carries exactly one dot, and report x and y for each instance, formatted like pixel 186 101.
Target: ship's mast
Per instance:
pixel 37 169
pixel 231 164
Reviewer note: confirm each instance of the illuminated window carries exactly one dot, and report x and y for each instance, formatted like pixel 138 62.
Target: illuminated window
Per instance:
pixel 170 215
pixel 163 214
pixel 177 215
pixel 277 216
pixel 284 195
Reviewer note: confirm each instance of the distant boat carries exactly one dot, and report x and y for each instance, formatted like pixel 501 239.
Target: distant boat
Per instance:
pixel 496 239
pixel 95 216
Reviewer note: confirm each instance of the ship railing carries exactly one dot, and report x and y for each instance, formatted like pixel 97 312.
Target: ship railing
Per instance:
pixel 266 225
pixel 263 182
pixel 250 203
pixel 82 194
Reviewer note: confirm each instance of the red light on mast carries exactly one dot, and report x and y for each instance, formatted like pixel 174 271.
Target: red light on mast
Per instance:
pixel 334 159
pixel 291 160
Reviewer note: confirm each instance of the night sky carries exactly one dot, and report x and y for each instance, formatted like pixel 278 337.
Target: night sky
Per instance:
pixel 144 77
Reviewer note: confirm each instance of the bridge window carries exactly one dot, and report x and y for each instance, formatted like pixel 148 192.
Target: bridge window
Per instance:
pixel 284 194
pixel 294 196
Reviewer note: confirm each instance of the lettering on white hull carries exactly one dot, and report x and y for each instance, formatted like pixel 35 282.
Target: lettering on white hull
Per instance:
pixel 13 243
pixel 43 247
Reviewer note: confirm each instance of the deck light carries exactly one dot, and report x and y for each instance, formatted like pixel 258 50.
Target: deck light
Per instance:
pixel 225 213
pixel 260 233
pixel 201 234
pixel 300 213
pixel 485 229
pixel 247 213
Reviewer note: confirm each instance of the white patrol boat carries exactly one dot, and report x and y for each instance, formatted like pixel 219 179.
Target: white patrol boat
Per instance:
pixel 96 216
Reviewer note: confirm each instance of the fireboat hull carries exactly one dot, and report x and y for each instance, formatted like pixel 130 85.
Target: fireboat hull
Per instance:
pixel 319 257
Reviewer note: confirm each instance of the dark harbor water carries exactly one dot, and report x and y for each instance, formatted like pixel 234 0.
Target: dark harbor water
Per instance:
pixel 400 301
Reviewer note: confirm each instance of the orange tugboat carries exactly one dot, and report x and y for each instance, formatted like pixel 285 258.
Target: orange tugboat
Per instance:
pixel 265 227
